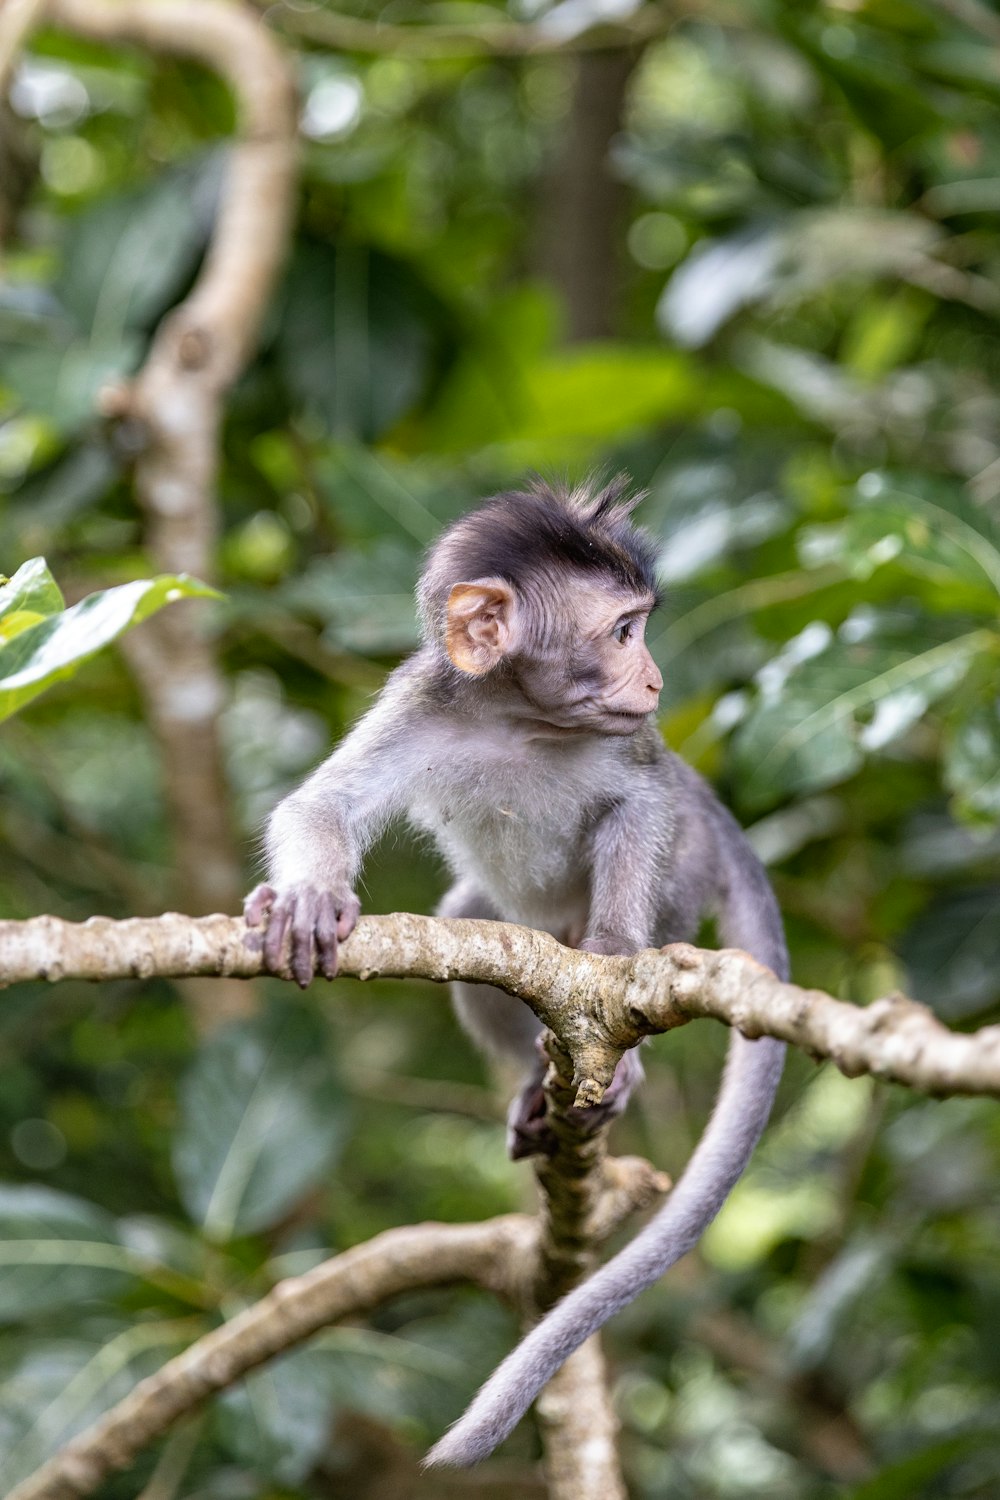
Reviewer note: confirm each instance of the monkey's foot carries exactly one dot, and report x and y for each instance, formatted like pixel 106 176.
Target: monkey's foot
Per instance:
pixel 529 1132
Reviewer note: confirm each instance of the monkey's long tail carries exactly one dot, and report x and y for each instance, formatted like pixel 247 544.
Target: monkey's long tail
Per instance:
pixel 753 1069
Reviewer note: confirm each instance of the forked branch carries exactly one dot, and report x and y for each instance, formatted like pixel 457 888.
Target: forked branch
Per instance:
pixel 596 1006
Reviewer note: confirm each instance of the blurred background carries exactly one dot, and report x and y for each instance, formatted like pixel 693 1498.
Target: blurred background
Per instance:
pixel 748 253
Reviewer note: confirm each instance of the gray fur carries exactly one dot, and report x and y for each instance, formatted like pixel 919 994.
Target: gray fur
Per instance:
pixel 546 816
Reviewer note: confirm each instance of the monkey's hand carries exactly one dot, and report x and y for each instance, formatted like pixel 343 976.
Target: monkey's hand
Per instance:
pixel 309 920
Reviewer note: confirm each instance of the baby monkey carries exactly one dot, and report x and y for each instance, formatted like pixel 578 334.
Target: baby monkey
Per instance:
pixel 521 736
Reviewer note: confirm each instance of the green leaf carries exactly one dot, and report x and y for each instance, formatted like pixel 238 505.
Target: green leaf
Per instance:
pixel 62 384
pixel 53 496
pixel 972 763
pixel 358 339
pixel 62 1386
pixel 568 404
pixel 278 1421
pixel 952 953
pixel 126 259
pixel 908 1479
pixel 700 512
pixel 825 702
pixel 261 1122
pixel 28 597
pixel 365 598
pixel 935 534
pixel 601 392
pixel 55 1252
pixel 56 647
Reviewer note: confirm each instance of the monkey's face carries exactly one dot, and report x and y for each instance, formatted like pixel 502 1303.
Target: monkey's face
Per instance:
pixel 575 646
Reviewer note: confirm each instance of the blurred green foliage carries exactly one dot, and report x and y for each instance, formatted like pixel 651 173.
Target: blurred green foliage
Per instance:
pixel 805 379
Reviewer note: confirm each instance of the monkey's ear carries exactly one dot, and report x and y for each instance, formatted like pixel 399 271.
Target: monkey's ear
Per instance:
pixel 480 625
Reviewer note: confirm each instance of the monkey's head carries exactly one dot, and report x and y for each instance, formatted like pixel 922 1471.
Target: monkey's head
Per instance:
pixel 550 591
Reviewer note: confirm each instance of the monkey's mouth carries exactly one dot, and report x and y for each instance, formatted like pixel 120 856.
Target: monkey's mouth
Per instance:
pixel 622 721
pixel 617 721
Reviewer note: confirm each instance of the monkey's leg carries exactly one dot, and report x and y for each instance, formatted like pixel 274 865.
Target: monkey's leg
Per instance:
pixel 503 1026
pixel 499 1024
pixel 528 1131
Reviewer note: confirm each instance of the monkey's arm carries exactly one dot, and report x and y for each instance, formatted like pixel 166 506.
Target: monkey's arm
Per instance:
pixel 317 836
pixel 749 918
pixel 626 850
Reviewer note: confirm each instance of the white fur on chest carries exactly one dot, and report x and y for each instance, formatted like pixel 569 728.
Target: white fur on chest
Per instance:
pixel 514 814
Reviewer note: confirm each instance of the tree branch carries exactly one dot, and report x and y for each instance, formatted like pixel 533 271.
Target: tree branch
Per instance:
pixel 173 409
pixel 16 20
pixel 584 1193
pixel 421 1255
pixel 597 1006
pixel 500 1256
pixel 580 1429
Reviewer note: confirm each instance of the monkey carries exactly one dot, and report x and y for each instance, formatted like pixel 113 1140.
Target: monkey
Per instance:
pixel 521 735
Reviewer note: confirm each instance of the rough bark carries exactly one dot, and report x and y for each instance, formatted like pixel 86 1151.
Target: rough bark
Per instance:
pixel 597 1006
pixel 580 1430
pixel 579 1185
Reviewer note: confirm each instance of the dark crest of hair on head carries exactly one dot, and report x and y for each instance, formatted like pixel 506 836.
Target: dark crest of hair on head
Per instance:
pixel 523 532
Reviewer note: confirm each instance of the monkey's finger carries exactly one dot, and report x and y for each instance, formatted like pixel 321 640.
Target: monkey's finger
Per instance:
pixel 347 917
pixel 277 931
pixel 326 935
pixel 304 938
pixel 258 904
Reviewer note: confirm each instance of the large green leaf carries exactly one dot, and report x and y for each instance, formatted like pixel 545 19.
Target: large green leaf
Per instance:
pixel 701 511
pixel 972 763
pixel 567 404
pixel 55 1252
pixel 261 1121
pixel 936 534
pixel 62 384
pixel 127 258
pixel 365 598
pixel 358 340
pixel 952 952
pixel 278 1421
pixel 826 701
pixel 30 596
pixel 62 1386
pixel 54 648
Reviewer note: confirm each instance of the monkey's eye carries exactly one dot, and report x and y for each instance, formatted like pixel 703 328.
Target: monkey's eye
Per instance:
pixel 623 632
